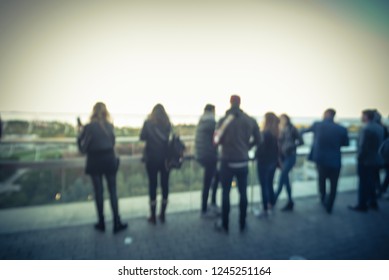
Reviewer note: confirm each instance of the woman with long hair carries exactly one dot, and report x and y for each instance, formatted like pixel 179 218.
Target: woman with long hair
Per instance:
pixel 267 160
pixel 288 140
pixel 97 140
pixel 155 132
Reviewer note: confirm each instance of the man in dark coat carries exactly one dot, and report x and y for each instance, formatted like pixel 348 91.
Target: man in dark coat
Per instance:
pixel 329 137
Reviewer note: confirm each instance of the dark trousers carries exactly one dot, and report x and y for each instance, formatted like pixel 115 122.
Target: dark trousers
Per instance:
pixel 226 175
pixel 153 168
pixel 332 174
pixel 211 178
pixel 366 188
pixel 97 180
pixel 287 165
pixel 266 178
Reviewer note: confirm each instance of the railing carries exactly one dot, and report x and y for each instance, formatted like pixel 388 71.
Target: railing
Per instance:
pixel 38 181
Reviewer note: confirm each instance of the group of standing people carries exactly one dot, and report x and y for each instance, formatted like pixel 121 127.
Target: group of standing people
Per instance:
pixel 222 149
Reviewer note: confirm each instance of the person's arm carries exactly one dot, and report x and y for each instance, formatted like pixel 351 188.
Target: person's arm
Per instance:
pixel 346 140
pixel 144 132
pixel 298 137
pixel 256 135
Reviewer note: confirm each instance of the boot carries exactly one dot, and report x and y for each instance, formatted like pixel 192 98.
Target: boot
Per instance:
pixel 118 225
pixel 153 207
pixel 288 207
pixel 100 225
pixel 163 210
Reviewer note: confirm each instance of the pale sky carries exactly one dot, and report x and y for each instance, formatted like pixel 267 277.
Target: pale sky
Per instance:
pixel 291 56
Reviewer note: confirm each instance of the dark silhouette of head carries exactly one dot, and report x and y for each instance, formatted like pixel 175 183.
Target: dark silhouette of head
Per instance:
pixel 368 115
pixel 209 108
pixel 159 116
pixel 100 113
pixel 235 101
pixel 271 123
pixel 329 114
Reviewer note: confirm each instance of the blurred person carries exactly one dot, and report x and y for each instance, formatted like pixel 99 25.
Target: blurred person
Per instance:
pixel 206 155
pixel 370 139
pixel 384 153
pixel 237 133
pixel 1 128
pixel 288 141
pixel 328 139
pixel 97 140
pixel 156 132
pixel 381 188
pixel 267 160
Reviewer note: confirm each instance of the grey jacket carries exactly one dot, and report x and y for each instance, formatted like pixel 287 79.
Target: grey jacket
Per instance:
pixel 204 147
pixel 371 137
pixel 239 136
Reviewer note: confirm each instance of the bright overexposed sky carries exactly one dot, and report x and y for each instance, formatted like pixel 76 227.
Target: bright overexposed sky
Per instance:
pixel 298 57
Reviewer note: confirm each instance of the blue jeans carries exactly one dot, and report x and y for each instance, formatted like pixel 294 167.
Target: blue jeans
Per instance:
pixel 226 175
pixel 266 177
pixel 287 165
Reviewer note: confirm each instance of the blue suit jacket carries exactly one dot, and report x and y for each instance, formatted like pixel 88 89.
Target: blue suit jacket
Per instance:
pixel 328 138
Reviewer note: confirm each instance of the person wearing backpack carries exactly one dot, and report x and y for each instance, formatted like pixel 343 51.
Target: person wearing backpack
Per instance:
pixel 97 141
pixel 155 132
pixel 206 155
pixel 234 134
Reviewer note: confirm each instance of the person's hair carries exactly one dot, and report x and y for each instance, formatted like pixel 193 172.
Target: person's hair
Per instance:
pixel 271 123
pixel 369 114
pixel 159 116
pixel 100 113
pixel 209 108
pixel 330 113
pixel 288 121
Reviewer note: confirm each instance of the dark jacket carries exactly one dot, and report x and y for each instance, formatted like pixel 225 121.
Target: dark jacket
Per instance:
pixel 99 137
pixel 235 141
pixel 267 152
pixel 328 138
pixel 370 139
pixel 205 150
pixel 157 140
pixel 288 141
pixel 99 142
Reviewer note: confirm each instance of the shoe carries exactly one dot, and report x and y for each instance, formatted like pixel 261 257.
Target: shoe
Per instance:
pixel 288 207
pixel 152 220
pixel 100 227
pixel 243 228
pixel 119 227
pixel 357 208
pixel 162 218
pixel 219 227
pixel 374 207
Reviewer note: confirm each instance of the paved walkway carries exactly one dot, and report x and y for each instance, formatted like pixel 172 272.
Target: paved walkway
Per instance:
pixel 308 232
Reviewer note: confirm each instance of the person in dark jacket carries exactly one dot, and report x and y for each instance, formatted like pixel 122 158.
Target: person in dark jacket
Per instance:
pixel 155 132
pixel 370 139
pixel 206 155
pixel 288 141
pixel 97 140
pixel 234 132
pixel 267 160
pixel 381 188
pixel 329 137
